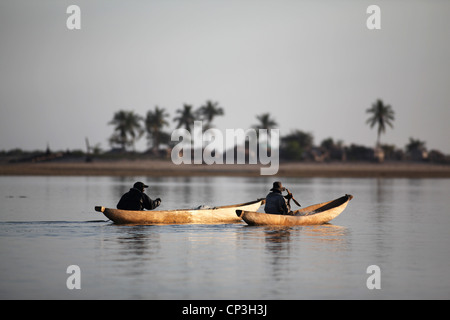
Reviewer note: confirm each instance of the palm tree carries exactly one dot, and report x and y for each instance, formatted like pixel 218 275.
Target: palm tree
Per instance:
pixel 265 122
pixel 417 149
pixel 208 112
pixel 415 144
pixel 186 118
pixel 127 128
pixel 382 115
pixel 154 122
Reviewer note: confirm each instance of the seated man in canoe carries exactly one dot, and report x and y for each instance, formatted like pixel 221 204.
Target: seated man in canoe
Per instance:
pixel 136 199
pixel 276 202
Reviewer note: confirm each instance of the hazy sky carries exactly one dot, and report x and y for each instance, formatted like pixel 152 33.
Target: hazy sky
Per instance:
pixel 314 65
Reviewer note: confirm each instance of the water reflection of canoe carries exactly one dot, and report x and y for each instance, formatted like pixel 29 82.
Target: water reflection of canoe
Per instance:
pixel 316 214
pixel 223 214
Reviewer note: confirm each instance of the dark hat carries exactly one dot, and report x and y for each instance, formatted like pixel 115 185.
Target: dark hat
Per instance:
pixel 139 185
pixel 277 186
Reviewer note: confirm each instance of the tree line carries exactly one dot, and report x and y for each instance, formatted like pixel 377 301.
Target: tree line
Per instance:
pixel 295 146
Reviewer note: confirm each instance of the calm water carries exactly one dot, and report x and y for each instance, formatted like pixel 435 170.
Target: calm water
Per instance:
pixel 48 223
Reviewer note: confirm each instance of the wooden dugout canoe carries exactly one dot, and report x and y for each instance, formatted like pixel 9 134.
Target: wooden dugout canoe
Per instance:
pixel 316 214
pixel 223 214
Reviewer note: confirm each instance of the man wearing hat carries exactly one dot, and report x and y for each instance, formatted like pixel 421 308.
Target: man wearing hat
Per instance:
pixel 275 201
pixel 136 199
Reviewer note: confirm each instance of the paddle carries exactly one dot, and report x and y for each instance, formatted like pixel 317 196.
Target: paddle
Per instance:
pixel 292 197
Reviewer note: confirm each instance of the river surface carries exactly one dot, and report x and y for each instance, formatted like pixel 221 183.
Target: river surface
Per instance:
pixel 400 226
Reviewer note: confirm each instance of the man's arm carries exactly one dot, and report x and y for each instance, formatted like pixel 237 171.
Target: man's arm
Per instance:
pixel 284 206
pixel 150 204
pixel 288 198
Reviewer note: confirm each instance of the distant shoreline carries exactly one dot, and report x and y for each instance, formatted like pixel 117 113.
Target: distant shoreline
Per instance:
pixel 161 168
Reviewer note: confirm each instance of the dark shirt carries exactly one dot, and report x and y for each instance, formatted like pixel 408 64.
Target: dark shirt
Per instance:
pixel 276 204
pixel 136 200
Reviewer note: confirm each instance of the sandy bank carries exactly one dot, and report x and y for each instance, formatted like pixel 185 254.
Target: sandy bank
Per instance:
pixel 167 168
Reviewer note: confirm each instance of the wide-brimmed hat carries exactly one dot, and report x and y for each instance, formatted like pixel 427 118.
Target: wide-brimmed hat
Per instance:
pixel 277 186
pixel 139 185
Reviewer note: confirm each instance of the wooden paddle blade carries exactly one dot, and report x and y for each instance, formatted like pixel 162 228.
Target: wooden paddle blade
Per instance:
pixel 292 197
pixel 296 202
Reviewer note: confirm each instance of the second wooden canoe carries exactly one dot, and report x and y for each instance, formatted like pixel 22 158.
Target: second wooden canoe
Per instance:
pixel 316 214
pixel 223 214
